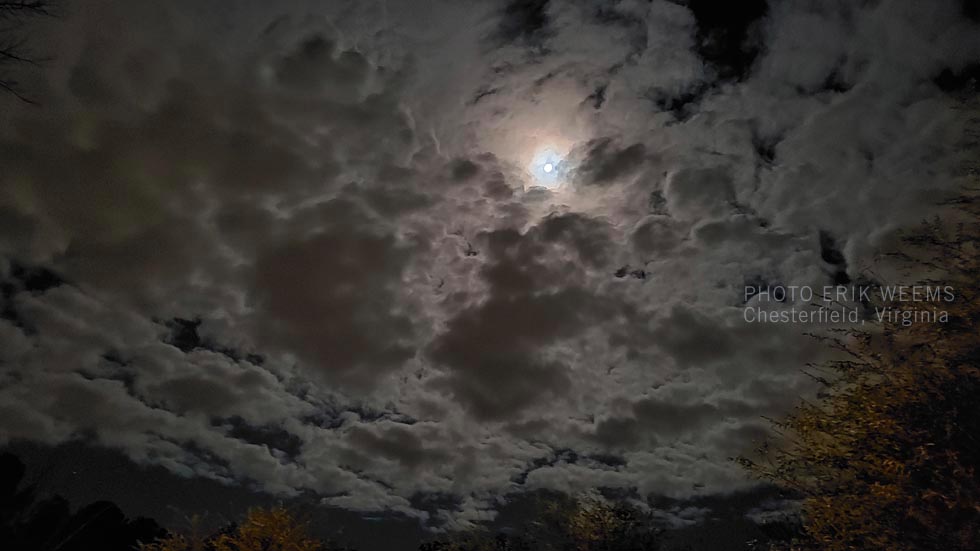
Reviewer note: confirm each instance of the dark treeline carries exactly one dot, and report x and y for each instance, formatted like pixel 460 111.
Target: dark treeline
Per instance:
pixel 550 521
pixel 33 522
pixel 30 522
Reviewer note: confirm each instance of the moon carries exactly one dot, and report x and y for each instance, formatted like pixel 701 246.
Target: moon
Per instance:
pixel 547 169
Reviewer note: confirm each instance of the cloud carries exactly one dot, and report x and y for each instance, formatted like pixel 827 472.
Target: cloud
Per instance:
pixel 400 443
pixel 331 298
pixel 605 163
pixel 531 305
pixel 296 252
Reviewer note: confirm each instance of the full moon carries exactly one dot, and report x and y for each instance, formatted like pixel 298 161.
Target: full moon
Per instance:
pixel 547 168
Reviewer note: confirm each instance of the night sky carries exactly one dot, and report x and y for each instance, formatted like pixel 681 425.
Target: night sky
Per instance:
pixel 405 262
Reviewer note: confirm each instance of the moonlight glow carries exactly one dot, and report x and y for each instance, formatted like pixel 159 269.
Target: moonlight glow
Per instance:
pixel 548 169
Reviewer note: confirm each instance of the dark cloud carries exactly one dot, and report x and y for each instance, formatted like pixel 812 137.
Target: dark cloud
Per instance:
pixel 531 306
pixel 589 238
pixel 671 419
pixel 605 161
pixel 464 169
pixel 277 439
pixel 692 338
pixel 330 298
pixel 399 443
pixel 507 376
pixel 618 433
pixel 316 66
pixel 693 192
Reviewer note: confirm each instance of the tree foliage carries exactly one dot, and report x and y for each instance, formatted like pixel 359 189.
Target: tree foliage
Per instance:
pixel 273 529
pixel 562 523
pixel 886 458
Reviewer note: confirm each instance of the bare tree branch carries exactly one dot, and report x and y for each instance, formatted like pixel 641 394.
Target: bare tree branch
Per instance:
pixel 11 88
pixel 32 7
pixel 14 52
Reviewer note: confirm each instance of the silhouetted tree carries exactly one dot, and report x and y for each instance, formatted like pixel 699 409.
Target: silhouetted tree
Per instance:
pixel 888 458
pixel 31 524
